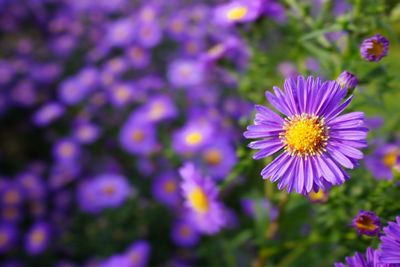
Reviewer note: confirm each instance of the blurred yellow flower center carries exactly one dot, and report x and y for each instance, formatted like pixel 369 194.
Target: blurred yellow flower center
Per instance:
pixel 177 26
pixel 199 200
pixel 213 156
pixel 156 111
pixel 193 138
pixel 365 223
pixel 184 231
pixel 109 190
pixel 3 238
pixel 11 197
pixel 137 136
pixel 304 135
pixel 390 159
pixel 376 49
pixel 122 92
pixel 170 187
pixel 319 196
pixel 66 150
pixel 37 237
pixel 237 13
pixel 137 53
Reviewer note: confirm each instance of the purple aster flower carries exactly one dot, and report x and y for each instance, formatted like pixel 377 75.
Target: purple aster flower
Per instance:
pixel 184 234
pixel 192 137
pixel 121 94
pixel 11 214
pixel 237 11
pixel 32 185
pixel 371 259
pixel 149 34
pixel 117 260
pixel 315 141
pixel 48 113
pixel 390 243
pixel 138 253
pixel 121 33
pixel 71 91
pixel 177 26
pixel 367 223
pixel 219 158
pixel 347 80
pixel 255 207
pixel 37 238
pixel 8 237
pixel 11 194
pixel 185 73
pixel 374 48
pixel 24 94
pixel 66 150
pixel 86 133
pixel 383 161
pixel 274 10
pixel 139 57
pixel 158 108
pixel 138 137
pixel 166 189
pixel 200 193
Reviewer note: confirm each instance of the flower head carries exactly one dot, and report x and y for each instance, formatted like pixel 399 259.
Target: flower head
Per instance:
pixel 8 236
pixel 315 140
pixel 374 48
pixel 166 189
pixel 200 193
pixel 347 80
pixel 37 238
pixel 184 234
pixel 370 259
pixel 367 223
pixel 383 161
pixel 390 243
pixel 237 11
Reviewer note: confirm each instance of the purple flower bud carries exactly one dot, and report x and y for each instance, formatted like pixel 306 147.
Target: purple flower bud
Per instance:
pixel 347 80
pixel 374 48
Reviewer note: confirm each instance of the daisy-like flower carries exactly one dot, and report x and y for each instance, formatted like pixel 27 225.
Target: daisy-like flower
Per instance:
pixel 374 48
pixel 314 140
pixel 367 223
pixel 237 11
pixel 384 161
pixel 390 243
pixel 200 193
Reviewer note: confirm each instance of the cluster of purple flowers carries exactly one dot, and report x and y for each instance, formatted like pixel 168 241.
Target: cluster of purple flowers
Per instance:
pixel 114 91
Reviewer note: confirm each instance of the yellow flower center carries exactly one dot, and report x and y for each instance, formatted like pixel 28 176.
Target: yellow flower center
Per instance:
pixel 109 190
pixel 377 49
pixel 365 223
pixel 304 135
pixel 177 26
pixel 193 138
pixel 37 237
pixel 170 187
pixel 199 200
pixel 3 239
pixel 213 157
pixel 156 111
pixel 11 197
pixel 122 92
pixel 137 53
pixel 319 196
pixel 390 159
pixel 185 231
pixel 66 150
pixel 237 13
pixel 137 136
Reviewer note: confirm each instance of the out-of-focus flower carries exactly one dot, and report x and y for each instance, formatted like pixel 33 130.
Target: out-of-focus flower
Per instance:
pixel 121 32
pixel 158 108
pixel 383 161
pixel 218 158
pixel 390 243
pixel 138 253
pixel 184 234
pixel 149 34
pixel 48 113
pixel 185 73
pixel 8 237
pixel 347 80
pixel 315 140
pixel 66 150
pixel 367 223
pixel 200 193
pixel 86 133
pixel 37 238
pixel 288 69
pixel 192 137
pixel 253 208
pixel 138 137
pixel 139 57
pixel 166 189
pixel 374 48
pixel 237 11
pixel 11 195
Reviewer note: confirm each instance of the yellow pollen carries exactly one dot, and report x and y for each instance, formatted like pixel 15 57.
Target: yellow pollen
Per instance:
pixel 237 13
pixel 37 237
pixel 198 200
pixel 213 157
pixel 194 138
pixel 376 49
pixel 365 223
pixel 137 136
pixel 170 187
pixel 390 159
pixel 156 111
pixel 304 135
pixel 319 196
